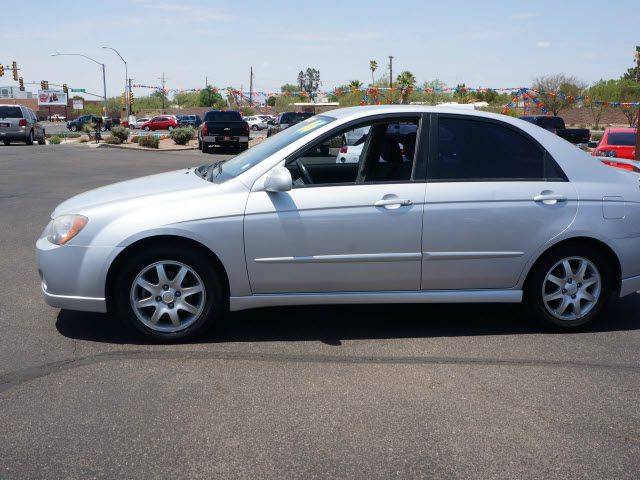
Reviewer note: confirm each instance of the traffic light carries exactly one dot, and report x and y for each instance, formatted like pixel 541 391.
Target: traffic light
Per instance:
pixel 14 65
pixel 42 85
pixel 21 84
pixel 46 84
pixel 131 98
pixel 65 89
pixel 123 99
pixel 1 70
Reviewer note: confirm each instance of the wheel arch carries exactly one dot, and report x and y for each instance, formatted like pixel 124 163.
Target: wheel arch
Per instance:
pixel 612 257
pixel 173 240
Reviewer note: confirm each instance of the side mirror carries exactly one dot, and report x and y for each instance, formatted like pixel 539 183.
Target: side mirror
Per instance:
pixel 278 180
pixel 592 144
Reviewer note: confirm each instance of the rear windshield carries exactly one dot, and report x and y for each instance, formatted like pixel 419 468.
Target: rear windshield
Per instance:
pixel 222 117
pixel 290 118
pixel 10 112
pixel 626 139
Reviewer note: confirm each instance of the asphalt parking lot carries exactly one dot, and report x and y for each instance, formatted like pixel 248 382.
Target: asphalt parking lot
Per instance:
pixel 411 391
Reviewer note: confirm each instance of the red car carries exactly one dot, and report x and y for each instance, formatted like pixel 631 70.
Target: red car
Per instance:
pixel 160 123
pixel 617 143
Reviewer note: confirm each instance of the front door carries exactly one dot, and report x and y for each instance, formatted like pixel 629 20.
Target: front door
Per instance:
pixel 494 198
pixel 344 227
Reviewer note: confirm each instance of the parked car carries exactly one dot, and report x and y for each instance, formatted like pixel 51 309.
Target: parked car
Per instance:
pixel 139 122
pixel 265 118
pixel 556 125
pixel 285 120
pixel 77 124
pixel 164 122
pixel 255 123
pixel 505 212
pixel 223 128
pixel 19 124
pixel 617 143
pixel 189 120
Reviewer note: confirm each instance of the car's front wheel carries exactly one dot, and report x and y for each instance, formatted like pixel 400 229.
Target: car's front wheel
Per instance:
pixel 73 128
pixel 29 140
pixel 168 294
pixel 146 129
pixel 567 287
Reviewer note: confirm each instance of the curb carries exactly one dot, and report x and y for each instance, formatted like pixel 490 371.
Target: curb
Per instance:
pixel 139 149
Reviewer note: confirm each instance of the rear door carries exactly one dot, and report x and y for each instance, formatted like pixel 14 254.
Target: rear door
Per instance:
pixel 494 197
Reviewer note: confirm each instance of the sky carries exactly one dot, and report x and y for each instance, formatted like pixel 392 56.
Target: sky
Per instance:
pixel 483 44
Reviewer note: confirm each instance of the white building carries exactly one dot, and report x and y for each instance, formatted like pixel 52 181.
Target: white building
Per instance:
pixel 14 92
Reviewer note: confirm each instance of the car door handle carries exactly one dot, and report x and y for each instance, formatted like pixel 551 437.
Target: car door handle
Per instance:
pixel 386 202
pixel 550 198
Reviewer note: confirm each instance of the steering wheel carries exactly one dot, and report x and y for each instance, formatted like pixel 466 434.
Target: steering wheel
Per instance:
pixel 304 173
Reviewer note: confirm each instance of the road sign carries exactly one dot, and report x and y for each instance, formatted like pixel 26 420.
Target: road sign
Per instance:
pixel 77 90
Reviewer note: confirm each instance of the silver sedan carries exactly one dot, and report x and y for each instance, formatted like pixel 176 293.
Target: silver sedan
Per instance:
pixel 440 206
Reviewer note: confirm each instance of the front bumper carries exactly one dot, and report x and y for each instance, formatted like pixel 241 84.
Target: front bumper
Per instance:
pixel 74 277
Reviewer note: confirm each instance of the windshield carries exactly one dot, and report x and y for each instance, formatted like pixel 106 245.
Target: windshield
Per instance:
pixel 10 112
pixel 291 117
pixel 626 139
pixel 221 172
pixel 214 116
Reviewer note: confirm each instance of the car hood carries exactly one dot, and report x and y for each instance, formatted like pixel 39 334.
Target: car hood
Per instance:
pixel 183 180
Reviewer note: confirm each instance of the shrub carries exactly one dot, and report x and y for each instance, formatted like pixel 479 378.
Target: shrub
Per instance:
pixel 181 136
pixel 149 141
pixel 135 139
pixel 54 140
pixel 596 137
pixel 120 133
pixel 89 127
pixel 84 139
pixel 112 140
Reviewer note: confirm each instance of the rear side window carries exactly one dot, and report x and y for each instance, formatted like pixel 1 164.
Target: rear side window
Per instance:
pixel 10 112
pixel 222 117
pixel 623 139
pixel 473 150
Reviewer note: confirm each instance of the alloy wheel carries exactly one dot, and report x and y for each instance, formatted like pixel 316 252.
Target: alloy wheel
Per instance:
pixel 571 288
pixel 167 296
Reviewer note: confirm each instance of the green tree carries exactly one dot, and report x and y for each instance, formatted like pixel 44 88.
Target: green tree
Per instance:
pixel 373 66
pixel 433 98
pixel 289 88
pixel 552 84
pixel 271 101
pixel 208 97
pixel 407 82
pixel 186 99
pixel 309 80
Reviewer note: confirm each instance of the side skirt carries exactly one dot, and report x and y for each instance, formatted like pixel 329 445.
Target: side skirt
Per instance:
pixel 329 298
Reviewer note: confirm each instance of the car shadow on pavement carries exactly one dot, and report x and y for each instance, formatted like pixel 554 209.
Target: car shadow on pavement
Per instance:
pixel 332 324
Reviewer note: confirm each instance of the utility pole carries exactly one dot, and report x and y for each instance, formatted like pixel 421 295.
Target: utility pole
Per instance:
pixel 128 100
pixel 206 82
pixel 391 75
pixel 251 86
pixel 638 114
pixel 163 79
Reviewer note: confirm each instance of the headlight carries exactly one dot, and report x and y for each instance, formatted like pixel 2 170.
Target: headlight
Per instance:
pixel 65 227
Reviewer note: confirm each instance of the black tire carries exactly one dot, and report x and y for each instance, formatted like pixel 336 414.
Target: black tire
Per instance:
pixel 103 128
pixel 29 140
pixel 73 128
pixel 215 303
pixel 205 147
pixel 43 140
pixel 244 146
pixel 146 129
pixel 6 142
pixel 254 127
pixel 533 290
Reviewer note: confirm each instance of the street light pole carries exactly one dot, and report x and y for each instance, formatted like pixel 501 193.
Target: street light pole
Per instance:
pixel 104 77
pixel 126 76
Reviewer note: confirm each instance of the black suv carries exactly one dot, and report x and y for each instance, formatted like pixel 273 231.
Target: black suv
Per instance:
pixel 76 124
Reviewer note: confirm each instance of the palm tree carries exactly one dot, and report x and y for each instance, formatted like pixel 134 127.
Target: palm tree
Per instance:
pixel 406 81
pixel 355 84
pixel 373 66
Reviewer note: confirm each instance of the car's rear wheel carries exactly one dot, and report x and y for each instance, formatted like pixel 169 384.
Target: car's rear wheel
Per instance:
pixel 146 129
pixel 167 294
pixel 73 128
pixel 42 140
pixel 29 140
pixel 205 147
pixel 254 127
pixel 568 286
pixel 6 142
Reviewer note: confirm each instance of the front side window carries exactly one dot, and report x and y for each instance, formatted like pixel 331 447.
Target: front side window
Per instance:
pixel 475 150
pixel 374 152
